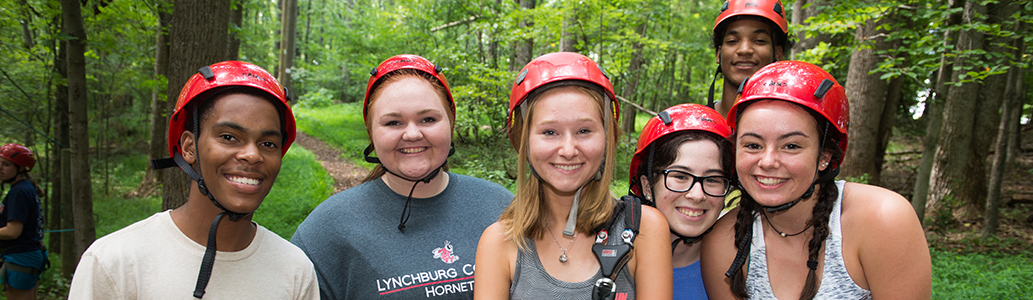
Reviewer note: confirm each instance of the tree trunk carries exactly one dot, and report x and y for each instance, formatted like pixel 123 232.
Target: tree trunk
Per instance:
pixel 993 194
pixel 82 191
pixel 159 145
pixel 568 39
pixel 69 258
pixel 954 154
pixel 799 17
pixel 1014 140
pixel 987 116
pixel 867 95
pixel 634 70
pixel 523 51
pixel 236 25
pixel 934 120
pixel 288 33
pixel 889 117
pixel 27 38
pixel 196 39
pixel 58 175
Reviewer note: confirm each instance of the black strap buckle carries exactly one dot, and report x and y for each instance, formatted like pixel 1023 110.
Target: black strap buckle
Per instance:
pixel 604 289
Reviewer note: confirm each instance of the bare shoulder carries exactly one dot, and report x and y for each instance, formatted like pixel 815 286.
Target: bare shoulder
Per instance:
pixel 876 206
pixel 496 257
pixel 718 252
pixel 653 220
pixel 494 239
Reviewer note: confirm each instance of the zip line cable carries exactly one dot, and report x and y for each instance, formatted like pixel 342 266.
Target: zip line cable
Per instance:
pixel 19 120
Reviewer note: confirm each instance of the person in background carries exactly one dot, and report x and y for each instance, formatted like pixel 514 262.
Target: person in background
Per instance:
pixel 563 123
pixel 748 35
pixel 230 129
pixel 410 230
pixel 797 233
pixel 21 235
pixel 683 167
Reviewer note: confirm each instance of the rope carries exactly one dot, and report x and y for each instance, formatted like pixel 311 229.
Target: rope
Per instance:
pixel 635 105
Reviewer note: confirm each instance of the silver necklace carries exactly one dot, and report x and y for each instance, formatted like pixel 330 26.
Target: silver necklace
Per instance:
pixel 563 252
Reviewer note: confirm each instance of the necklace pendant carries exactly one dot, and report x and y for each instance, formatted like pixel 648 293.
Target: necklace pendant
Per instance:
pixel 563 257
pixel 782 234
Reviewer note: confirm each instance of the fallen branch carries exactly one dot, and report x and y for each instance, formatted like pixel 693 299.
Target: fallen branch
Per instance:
pixel 635 105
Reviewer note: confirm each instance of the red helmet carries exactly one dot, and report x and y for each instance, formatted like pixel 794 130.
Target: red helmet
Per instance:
pixel 210 79
pixel 19 155
pixel 801 83
pixel 678 118
pixel 556 67
pixel 768 9
pixel 405 61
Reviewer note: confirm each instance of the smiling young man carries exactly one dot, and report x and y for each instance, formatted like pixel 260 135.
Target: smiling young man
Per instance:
pixel 748 35
pixel 229 132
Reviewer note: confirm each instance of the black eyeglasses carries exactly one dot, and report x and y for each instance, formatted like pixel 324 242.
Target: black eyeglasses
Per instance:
pixel 680 181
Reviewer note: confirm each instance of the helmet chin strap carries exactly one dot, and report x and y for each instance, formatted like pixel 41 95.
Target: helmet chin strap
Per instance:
pixel 710 95
pixel 406 210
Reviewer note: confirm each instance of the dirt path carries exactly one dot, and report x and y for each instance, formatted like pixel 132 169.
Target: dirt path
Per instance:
pixel 345 173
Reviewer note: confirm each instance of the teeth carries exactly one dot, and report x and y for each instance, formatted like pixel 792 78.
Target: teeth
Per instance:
pixel 770 181
pixel 245 180
pixel 568 167
pixel 745 64
pixel 413 150
pixel 691 213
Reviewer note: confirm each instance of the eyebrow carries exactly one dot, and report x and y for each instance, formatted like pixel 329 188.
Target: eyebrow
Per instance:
pixel 687 169
pixel 784 136
pixel 237 127
pixel 399 115
pixel 759 30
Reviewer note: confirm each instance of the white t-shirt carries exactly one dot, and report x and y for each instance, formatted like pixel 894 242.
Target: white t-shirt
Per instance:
pixel 152 259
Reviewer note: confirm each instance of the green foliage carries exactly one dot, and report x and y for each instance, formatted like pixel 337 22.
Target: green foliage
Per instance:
pixel 316 99
pixel 301 186
pixel 864 178
pixel 111 209
pixel 943 217
pixel 982 275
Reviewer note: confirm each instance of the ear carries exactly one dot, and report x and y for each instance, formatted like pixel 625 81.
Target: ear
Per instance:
pixel 779 53
pixel 647 187
pixel 718 55
pixel 186 147
pixel 826 157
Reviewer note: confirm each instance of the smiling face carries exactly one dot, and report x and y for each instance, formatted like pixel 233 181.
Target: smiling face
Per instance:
pixel 747 46
pixel 410 127
pixel 8 170
pixel 240 148
pixel 566 138
pixel 692 212
pixel 776 151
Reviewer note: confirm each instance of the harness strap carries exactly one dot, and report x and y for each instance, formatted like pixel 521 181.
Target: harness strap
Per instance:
pixel 614 255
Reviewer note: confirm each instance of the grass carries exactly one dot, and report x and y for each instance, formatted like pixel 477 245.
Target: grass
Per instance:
pixel 301 186
pixel 982 276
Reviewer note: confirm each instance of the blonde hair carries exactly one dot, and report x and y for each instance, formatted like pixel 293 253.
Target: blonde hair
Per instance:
pixel 527 216
pixel 394 76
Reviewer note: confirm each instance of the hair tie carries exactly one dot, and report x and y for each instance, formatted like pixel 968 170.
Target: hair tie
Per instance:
pixel 812 264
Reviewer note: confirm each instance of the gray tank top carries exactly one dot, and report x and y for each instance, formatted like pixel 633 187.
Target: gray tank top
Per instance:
pixel 835 281
pixel 531 281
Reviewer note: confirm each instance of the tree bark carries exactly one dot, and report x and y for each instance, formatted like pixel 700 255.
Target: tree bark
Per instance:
pixel 288 33
pixel 634 70
pixel 993 194
pixel 867 94
pixel 954 154
pixel 59 212
pixel 934 120
pixel 236 23
pixel 69 259
pixel 158 146
pixel 523 51
pixel 82 191
pixel 800 15
pixel 27 37
pixel 196 39
pixel 568 39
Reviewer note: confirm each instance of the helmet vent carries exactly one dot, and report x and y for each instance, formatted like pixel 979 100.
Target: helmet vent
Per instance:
pixel 823 88
pixel 437 69
pixel 778 8
pixel 206 72
pixel 666 117
pixel 373 72
pixel 724 7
